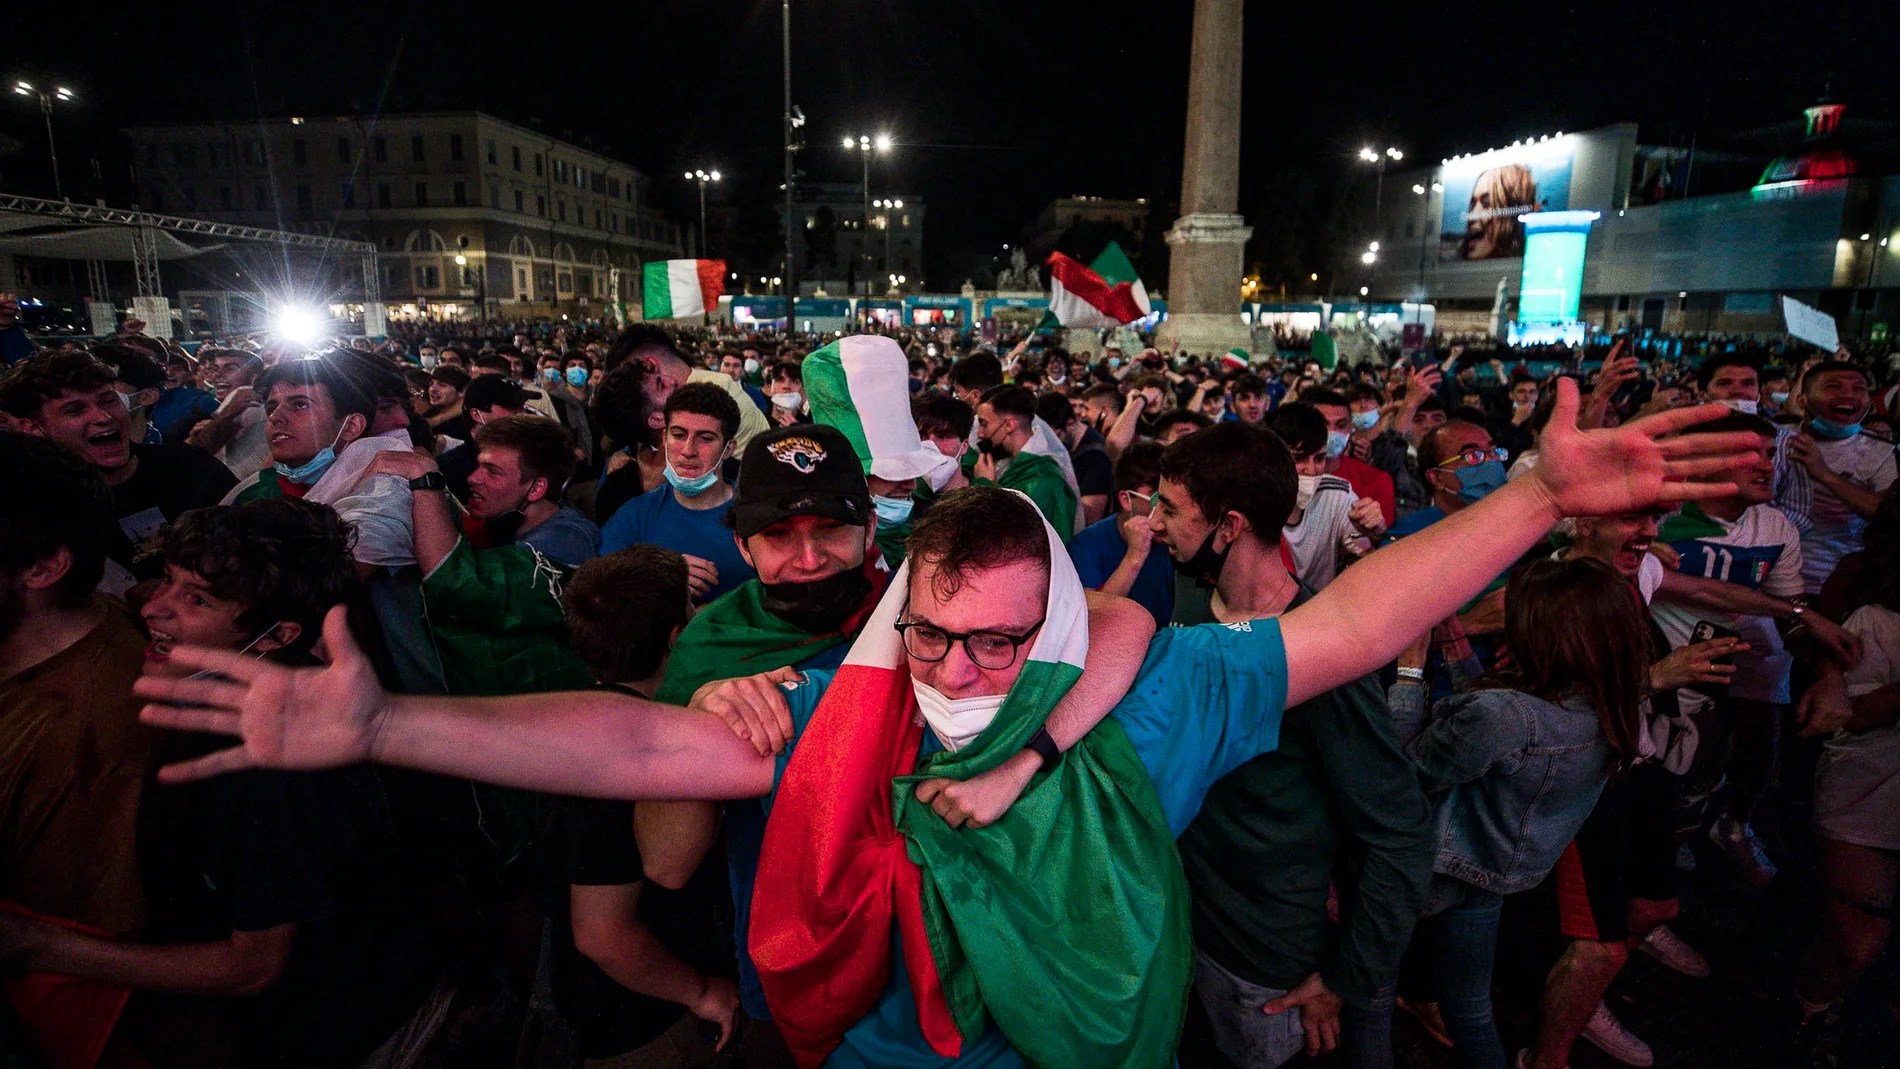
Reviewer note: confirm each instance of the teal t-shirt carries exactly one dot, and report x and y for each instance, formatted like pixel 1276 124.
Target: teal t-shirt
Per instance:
pixel 1207 700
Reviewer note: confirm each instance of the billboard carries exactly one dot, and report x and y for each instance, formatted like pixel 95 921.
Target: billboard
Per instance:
pixel 1486 193
pixel 1551 290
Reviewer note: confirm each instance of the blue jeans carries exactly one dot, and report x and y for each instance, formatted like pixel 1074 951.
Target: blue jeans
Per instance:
pixel 1459 937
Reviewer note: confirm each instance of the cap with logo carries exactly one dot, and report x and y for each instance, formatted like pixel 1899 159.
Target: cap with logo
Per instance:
pixel 490 391
pixel 802 470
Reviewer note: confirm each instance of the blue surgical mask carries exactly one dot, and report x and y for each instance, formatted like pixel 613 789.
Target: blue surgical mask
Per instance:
pixel 891 511
pixel 1336 442
pixel 552 374
pixel 311 470
pixel 1365 421
pixel 1479 480
pixel 1114 362
pixel 1832 431
pixel 1779 397
pixel 577 376
pixel 695 486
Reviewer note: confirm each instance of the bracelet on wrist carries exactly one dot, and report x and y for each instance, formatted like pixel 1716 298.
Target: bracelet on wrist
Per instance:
pixel 1416 674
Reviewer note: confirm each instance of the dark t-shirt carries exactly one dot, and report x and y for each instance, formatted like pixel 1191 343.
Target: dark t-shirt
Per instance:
pixel 170 480
pixel 457 465
pixel 591 843
pixel 1094 471
pixel 317 849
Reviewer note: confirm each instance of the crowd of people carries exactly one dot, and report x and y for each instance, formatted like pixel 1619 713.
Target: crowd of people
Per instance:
pixel 545 694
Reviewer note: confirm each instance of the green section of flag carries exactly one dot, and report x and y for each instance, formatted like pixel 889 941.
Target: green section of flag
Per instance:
pixel 735 636
pixel 1324 351
pixel 828 396
pixel 657 290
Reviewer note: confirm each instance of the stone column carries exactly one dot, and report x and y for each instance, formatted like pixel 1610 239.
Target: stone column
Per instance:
pixel 1209 239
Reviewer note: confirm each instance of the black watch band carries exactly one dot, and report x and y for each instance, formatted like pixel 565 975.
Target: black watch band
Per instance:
pixel 429 480
pixel 1045 747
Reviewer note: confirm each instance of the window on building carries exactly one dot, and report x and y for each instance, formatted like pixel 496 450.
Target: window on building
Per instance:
pixel 342 150
pixel 599 182
pixel 613 222
pixel 455 147
pixel 428 277
pixel 515 151
pixel 494 197
pixel 567 282
pixel 260 198
pixel 211 153
pixel 541 205
pixel 393 276
pixel 459 194
pixel 191 197
pixel 422 194
pixel 596 218
pixel 538 165
pixel 518 199
pixel 305 209
pixel 415 148
pixel 613 188
pixel 349 194
pixel 379 148
pixel 254 151
pixel 383 198
pixel 299 152
pixel 560 170
pixel 560 209
pixel 491 151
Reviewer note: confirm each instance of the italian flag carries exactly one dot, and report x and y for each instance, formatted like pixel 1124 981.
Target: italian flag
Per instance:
pixel 860 384
pixel 676 289
pixel 993 923
pixel 1106 293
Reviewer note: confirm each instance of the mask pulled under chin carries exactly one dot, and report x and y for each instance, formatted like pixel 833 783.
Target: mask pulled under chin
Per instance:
pixel 1309 485
pixel 1205 565
pixel 820 606
pixel 1741 405
pixel 955 721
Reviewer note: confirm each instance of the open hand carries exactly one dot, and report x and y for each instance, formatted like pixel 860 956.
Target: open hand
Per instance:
pixel 1319 1012
pixel 284 718
pixel 1695 664
pixel 1634 466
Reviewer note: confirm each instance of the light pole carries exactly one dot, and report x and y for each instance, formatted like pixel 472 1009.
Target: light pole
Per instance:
pixel 864 144
pixel 791 123
pixel 1368 155
pixel 481 284
pixel 702 177
pixel 46 98
pixel 887 206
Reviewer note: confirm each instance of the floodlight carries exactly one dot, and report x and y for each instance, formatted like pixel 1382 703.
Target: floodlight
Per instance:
pixel 298 324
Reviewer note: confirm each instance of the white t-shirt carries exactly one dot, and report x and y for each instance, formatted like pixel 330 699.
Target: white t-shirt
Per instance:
pixel 1831 530
pixel 1761 550
pixel 1649 577
pixel 1857 785
pixel 248 451
pixel 1324 528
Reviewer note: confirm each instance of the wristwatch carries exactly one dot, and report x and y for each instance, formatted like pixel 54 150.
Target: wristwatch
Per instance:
pixel 1045 747
pixel 429 480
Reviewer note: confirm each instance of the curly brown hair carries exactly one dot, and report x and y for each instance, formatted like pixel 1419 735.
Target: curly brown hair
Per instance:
pixel 975 529
pixel 285 560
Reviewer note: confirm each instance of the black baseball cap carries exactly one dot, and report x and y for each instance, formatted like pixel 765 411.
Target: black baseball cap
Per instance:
pixel 488 391
pixel 803 470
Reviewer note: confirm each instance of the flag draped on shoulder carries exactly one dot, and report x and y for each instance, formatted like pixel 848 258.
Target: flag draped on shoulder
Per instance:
pixel 992 927
pixel 1106 293
pixel 676 289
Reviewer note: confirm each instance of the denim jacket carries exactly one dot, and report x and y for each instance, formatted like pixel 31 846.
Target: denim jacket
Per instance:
pixel 1511 778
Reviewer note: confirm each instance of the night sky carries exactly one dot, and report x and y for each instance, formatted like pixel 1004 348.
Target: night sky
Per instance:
pixel 997 106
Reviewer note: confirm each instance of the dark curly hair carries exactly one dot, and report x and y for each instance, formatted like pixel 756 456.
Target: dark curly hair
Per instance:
pixel 284 560
pixel 974 529
pixel 53 499
pixel 42 378
pixel 622 609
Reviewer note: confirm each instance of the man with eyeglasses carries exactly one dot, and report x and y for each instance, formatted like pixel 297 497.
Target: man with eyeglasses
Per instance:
pixel 892 940
pixel 1114 554
pixel 1461 466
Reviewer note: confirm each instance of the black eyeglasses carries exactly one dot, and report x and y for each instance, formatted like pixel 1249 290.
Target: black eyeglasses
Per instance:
pixel 993 650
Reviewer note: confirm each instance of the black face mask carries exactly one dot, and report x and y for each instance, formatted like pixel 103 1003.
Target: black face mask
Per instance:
pixel 502 528
pixel 1205 565
pixel 820 606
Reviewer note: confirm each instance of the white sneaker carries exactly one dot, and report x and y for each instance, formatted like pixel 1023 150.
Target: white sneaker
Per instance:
pixel 1667 947
pixel 1608 1035
pixel 1737 839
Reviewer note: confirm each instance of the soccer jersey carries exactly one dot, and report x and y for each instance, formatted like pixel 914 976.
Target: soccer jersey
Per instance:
pixel 1760 550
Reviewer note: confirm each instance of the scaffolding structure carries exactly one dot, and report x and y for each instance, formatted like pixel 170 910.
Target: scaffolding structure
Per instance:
pixel 146 226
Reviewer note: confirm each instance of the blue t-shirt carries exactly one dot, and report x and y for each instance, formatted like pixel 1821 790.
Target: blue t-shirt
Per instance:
pixel 1417 521
pixel 1207 700
pixel 177 405
pixel 566 536
pixel 657 518
pixel 1098 550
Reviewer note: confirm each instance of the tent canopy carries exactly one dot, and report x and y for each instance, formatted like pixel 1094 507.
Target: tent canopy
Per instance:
pixel 31 236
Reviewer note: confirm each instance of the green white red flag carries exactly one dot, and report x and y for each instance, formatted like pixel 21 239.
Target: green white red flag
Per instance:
pixel 677 289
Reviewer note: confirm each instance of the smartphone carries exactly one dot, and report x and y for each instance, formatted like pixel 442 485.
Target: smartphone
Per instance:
pixel 1705 631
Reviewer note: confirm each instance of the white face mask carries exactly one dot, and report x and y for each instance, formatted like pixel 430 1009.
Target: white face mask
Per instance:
pixel 788 400
pixel 1309 485
pixel 955 721
pixel 1740 405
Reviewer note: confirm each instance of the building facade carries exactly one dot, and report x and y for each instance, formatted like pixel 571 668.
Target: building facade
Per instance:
pixel 467 211
pixel 1060 215
pixel 842 250
pixel 1677 244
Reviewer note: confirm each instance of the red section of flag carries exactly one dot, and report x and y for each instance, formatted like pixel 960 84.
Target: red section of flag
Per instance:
pixel 712 281
pixel 834 873
pixel 68 1019
pixel 1117 302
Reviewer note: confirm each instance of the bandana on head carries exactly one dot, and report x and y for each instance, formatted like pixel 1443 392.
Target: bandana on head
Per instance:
pixel 1097 979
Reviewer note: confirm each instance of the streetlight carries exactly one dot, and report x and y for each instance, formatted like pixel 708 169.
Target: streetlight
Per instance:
pixel 702 177
pixel 864 143
pixel 46 98
pixel 887 205
pixel 1378 159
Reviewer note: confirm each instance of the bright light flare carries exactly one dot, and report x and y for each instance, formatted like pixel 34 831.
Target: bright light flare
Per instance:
pixel 299 324
pixel 884 142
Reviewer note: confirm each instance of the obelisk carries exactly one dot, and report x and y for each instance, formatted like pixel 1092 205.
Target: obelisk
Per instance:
pixel 1209 239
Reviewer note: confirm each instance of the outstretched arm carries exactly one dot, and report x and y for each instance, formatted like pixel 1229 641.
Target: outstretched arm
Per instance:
pixel 594 744
pixel 1378 606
